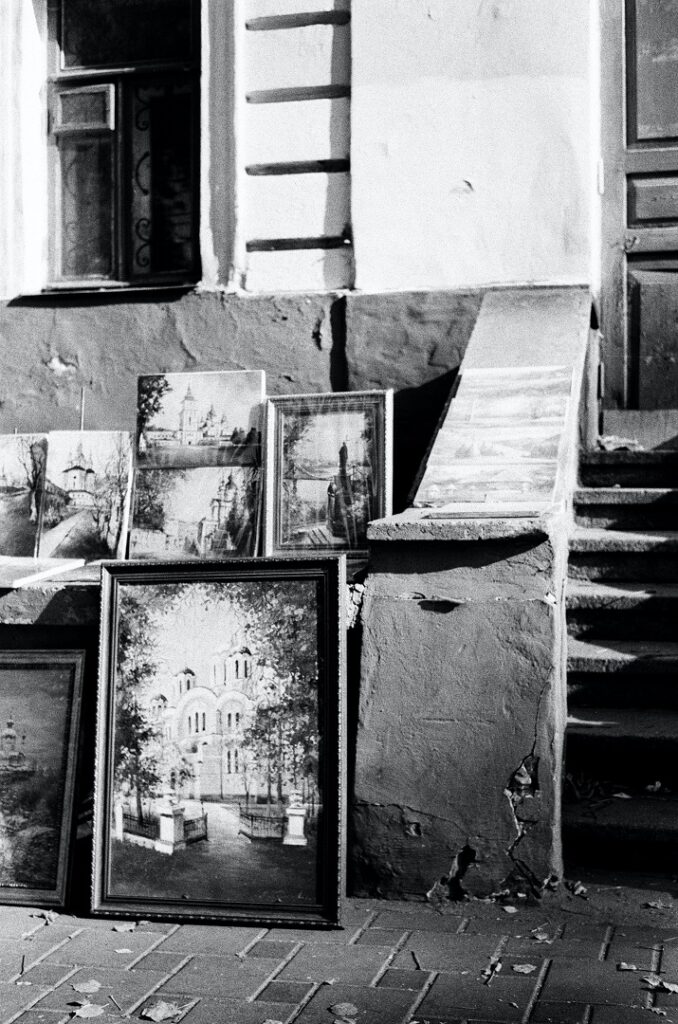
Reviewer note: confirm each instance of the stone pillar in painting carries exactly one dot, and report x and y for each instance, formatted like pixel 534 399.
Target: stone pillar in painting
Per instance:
pixel 294 822
pixel 171 835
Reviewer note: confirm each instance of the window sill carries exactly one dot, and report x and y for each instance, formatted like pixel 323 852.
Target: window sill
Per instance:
pixel 107 290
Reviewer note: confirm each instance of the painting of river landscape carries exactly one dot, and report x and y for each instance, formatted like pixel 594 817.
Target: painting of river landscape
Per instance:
pixel 328 470
pixel 39 713
pixel 218 739
pixel 199 419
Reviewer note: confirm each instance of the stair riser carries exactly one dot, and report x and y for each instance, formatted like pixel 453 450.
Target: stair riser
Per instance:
pixel 653 620
pixel 628 517
pixel 628 476
pixel 628 762
pixel 636 567
pixel 621 690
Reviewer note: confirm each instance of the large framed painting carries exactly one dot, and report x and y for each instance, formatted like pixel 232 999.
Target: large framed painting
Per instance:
pixel 220 735
pixel 40 698
pixel 328 471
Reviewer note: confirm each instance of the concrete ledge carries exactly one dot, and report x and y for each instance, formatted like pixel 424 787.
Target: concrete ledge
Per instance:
pixel 418 525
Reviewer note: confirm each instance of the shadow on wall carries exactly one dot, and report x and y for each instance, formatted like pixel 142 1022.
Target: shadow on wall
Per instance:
pixel 416 412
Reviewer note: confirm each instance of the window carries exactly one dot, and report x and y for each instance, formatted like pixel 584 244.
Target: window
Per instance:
pixel 124 118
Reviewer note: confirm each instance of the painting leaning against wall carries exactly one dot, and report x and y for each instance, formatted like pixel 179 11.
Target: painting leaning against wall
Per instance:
pixel 40 694
pixel 219 741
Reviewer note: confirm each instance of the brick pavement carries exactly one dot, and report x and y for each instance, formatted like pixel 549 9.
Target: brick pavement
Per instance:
pixel 394 963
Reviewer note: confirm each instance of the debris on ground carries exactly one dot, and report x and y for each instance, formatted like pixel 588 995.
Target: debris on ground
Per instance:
pixel 656 984
pixel 614 443
pixel 626 967
pixel 524 968
pixel 87 987
pixel 493 968
pixel 577 889
pixel 125 926
pixel 161 1011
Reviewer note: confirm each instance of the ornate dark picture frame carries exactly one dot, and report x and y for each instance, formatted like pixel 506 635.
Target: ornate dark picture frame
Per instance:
pixel 40 701
pixel 328 471
pixel 220 766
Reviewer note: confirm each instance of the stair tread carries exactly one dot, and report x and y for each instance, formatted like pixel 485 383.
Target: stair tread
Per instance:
pixel 621 495
pixel 639 458
pixel 619 655
pixel 593 539
pixel 639 814
pixel 581 593
pixel 624 723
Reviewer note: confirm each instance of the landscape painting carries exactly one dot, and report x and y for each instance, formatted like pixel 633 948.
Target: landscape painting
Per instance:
pixel 195 513
pixel 22 474
pixel 87 490
pixel 328 470
pixel 219 741
pixel 40 694
pixel 199 419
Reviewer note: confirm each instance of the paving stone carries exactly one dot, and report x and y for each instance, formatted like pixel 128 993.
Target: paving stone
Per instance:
pixel 125 988
pixel 39 1017
pixel 100 948
pixel 219 977
pixel 312 937
pixel 418 920
pixel 382 937
pixel 623 1015
pixel 374 1005
pixel 631 953
pixel 214 940
pixel 44 974
pixel 214 1011
pixel 165 963
pixel 412 981
pixel 428 952
pixel 560 1013
pixel 592 930
pixel 13 999
pixel 586 949
pixel 356 966
pixel 458 996
pixel 271 949
pixel 592 982
pixel 285 992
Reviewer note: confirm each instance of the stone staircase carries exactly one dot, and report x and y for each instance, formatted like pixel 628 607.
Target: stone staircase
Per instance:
pixel 621 793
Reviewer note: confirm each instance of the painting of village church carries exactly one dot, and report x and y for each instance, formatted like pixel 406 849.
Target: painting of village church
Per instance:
pixel 199 419
pixel 214 787
pixel 86 503
pixel 328 470
pixel 208 512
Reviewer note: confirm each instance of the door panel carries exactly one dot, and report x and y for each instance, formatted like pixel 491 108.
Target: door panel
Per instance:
pixel 640 202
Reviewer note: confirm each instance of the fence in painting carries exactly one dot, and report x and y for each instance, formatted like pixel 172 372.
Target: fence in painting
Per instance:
pixel 149 828
pixel 195 829
pixel 262 826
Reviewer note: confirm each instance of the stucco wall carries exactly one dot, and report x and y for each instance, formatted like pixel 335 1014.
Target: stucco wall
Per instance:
pixel 53 347
pixel 471 142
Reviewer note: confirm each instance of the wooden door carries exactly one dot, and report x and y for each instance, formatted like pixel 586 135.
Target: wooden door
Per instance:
pixel 639 185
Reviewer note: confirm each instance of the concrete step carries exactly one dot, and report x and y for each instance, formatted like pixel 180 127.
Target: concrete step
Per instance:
pixel 610 673
pixel 640 832
pixel 614 656
pixel 630 746
pixel 630 469
pixel 627 508
pixel 632 611
pixel 598 554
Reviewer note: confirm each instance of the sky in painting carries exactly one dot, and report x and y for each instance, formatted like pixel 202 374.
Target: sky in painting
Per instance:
pixel 237 395
pixel 36 699
pixel 325 435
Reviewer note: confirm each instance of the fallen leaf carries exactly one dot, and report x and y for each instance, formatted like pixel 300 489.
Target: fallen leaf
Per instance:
pixel 655 1009
pixel 88 1010
pixel 343 1009
pixel 524 968
pixel 125 926
pixel 577 889
pixel 48 915
pixel 658 905
pixel 87 986
pixel 622 796
pixel 510 910
pixel 626 967
pixel 161 1011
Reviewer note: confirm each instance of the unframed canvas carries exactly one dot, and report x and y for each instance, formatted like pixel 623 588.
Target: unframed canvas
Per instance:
pixel 219 790
pixel 328 471
pixel 40 697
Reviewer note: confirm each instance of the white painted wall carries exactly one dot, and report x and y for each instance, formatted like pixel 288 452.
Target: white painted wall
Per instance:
pixel 471 142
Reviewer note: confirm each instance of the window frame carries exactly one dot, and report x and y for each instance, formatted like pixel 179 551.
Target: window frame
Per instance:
pixel 116 77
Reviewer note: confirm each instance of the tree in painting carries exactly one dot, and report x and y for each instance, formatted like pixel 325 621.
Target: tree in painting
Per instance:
pixel 151 392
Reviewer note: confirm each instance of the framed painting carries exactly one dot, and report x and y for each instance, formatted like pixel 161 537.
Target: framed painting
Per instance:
pixel 220 736
pixel 328 471
pixel 40 698
pixel 199 419
pixel 22 487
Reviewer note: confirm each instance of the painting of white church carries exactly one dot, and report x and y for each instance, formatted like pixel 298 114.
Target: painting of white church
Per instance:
pixel 87 492
pixel 199 419
pixel 208 512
